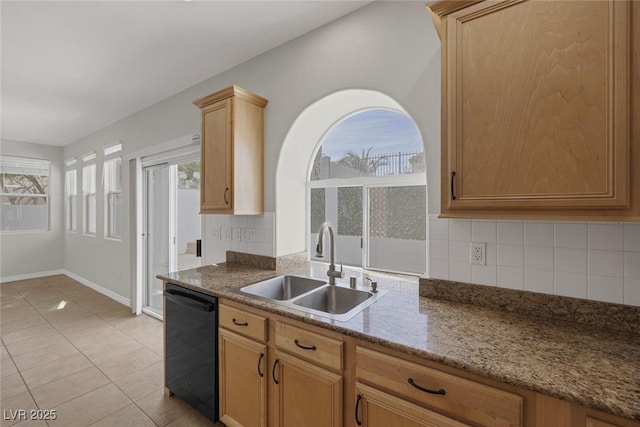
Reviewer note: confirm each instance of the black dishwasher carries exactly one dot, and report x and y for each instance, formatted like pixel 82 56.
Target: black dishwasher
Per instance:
pixel 191 362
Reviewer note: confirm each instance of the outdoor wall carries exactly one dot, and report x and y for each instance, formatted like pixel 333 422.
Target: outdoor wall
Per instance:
pixel 31 253
pixel 390 47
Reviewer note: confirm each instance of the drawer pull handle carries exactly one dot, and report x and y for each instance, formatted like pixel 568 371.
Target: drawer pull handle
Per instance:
pixel 357 405
pixel 235 322
pixel 426 390
pixel 304 347
pixel 273 372
pixel 453 192
pixel 226 193
pixel 260 364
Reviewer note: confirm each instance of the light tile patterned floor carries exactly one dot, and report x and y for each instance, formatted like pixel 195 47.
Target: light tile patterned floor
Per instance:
pixel 69 348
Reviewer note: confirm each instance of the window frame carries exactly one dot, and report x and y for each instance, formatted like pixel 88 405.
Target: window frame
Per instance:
pixel 109 195
pixel 87 195
pixel 46 196
pixel 67 200
pixel 366 182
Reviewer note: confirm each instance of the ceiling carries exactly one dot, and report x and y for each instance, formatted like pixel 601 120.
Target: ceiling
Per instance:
pixel 70 68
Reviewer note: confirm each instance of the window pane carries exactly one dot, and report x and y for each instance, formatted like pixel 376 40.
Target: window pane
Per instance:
pixel 342 208
pixel 113 197
pixel 317 205
pixel 374 142
pixel 90 211
pixel 72 218
pixel 24 184
pixel 397 228
pixel 24 213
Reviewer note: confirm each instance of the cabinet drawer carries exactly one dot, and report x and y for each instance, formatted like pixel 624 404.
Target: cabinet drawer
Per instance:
pixel 309 345
pixel 244 323
pixel 472 401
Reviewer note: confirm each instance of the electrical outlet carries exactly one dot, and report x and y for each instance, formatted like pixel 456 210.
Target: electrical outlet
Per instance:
pixel 479 253
pixel 216 233
pixel 236 234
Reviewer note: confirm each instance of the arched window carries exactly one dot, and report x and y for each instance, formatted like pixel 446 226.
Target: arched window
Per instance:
pixel 368 180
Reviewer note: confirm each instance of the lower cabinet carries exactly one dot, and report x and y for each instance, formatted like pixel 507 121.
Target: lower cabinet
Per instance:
pixel 277 372
pixel 307 395
pixel 243 387
pixel 375 408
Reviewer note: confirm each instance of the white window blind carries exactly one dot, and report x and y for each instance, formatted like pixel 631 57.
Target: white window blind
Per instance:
pixel 23 166
pixel 24 190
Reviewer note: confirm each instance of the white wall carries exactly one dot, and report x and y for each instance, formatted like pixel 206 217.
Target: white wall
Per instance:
pixel 389 47
pixel 30 253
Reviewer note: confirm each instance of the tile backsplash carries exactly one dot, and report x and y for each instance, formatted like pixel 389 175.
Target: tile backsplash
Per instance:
pixel 251 234
pixel 589 260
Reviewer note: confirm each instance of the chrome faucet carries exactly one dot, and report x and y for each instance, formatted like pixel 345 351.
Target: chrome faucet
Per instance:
pixel 332 272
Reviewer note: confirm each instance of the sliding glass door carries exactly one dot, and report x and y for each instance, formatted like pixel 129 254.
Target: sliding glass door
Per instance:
pixel 172 224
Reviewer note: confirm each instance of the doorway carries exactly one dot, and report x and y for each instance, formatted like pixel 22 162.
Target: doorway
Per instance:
pixel 172 226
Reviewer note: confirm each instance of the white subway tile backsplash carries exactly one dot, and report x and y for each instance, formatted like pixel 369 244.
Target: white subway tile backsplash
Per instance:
pixel 460 230
pixel 484 274
pixel 606 236
pixel 571 260
pixel 510 277
pixel 439 269
pixel 570 284
pixel 460 271
pixel 438 228
pixel 538 281
pixel 439 249
pixel 632 291
pixel 607 289
pixel 571 235
pixel 606 263
pixel 483 231
pixel 632 237
pixel 538 257
pixel 491 255
pixel 511 232
pixel 538 233
pixel 632 265
pixel 459 251
pixel 599 261
pixel 511 255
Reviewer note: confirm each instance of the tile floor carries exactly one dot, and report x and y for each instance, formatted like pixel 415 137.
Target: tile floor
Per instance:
pixel 69 348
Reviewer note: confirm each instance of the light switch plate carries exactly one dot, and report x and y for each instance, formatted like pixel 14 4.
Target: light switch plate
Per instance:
pixel 236 234
pixel 226 233
pixel 249 235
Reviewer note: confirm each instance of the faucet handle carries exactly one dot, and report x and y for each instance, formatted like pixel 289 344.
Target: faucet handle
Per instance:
pixel 374 284
pixel 341 272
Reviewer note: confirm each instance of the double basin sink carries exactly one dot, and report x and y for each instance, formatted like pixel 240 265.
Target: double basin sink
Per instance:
pixel 313 296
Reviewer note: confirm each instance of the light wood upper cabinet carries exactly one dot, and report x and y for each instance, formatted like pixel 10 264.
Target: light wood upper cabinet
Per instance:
pixel 232 156
pixel 536 109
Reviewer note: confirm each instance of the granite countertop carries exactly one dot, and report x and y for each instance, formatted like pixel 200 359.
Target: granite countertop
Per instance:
pixel 594 367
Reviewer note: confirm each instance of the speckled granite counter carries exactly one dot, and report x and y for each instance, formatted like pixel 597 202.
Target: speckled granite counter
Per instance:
pixel 594 367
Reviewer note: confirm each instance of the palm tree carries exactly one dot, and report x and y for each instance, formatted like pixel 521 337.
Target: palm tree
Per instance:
pixel 364 162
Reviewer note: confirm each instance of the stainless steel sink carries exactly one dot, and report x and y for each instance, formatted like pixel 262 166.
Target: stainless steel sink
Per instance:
pixel 313 296
pixel 333 299
pixel 282 287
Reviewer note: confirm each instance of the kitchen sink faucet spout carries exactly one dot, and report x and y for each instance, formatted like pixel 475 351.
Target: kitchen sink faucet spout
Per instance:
pixel 332 272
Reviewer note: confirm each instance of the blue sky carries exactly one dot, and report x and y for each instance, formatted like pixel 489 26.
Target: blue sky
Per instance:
pixel 387 131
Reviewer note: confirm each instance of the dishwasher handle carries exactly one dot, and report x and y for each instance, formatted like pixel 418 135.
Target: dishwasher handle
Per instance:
pixel 189 300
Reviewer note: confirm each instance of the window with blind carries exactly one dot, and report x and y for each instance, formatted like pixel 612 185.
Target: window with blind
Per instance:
pixel 112 180
pixel 71 199
pixel 89 197
pixel 24 196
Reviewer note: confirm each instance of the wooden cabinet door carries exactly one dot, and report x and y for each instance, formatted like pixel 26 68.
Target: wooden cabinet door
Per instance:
pixel 307 396
pixel 243 388
pixel 535 106
pixel 216 185
pixel 377 409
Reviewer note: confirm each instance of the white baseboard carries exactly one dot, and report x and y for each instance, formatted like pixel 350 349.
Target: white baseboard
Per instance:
pixel 104 291
pixel 7 279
